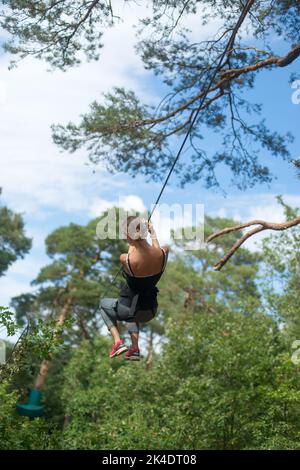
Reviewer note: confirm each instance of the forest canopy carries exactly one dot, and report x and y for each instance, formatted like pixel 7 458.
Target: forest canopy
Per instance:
pixel 219 353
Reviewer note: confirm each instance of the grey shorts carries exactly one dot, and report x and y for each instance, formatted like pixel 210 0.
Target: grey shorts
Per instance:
pixel 113 311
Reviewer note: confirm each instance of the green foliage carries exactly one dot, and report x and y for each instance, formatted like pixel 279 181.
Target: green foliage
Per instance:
pixel 221 376
pixel 134 137
pixel 128 136
pixel 59 31
pixel 282 259
pixel 55 31
pixel 13 242
pixel 296 163
pixel 218 384
pixel 80 269
pixel 21 433
pixel 36 342
pixel 7 321
pixel 111 136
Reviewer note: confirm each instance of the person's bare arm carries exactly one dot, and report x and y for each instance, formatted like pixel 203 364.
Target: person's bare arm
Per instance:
pixel 166 249
pixel 153 236
pixel 155 241
pixel 123 259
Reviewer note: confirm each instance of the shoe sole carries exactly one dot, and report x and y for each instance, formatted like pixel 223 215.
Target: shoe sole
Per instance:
pixel 132 358
pixel 120 351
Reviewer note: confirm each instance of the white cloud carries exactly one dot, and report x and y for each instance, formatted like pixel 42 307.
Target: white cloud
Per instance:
pixel 264 206
pixel 30 264
pixel 292 200
pixel 34 175
pixel 3 92
pixel 269 212
pixel 199 32
pixel 36 178
pixel 130 202
pixel 11 287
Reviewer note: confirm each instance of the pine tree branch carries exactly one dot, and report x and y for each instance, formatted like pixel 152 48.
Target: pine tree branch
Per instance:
pixel 273 60
pixel 226 77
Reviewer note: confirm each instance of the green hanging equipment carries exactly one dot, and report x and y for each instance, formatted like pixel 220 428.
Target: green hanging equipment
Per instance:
pixel 33 407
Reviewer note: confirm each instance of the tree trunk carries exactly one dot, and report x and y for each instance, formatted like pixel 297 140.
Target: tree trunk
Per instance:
pixel 84 329
pixel 149 360
pixel 40 380
pixel 45 365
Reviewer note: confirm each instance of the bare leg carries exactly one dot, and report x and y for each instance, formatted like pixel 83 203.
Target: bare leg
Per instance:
pixel 134 340
pixel 115 334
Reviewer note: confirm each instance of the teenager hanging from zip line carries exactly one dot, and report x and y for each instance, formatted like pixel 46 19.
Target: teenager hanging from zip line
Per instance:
pixel 142 268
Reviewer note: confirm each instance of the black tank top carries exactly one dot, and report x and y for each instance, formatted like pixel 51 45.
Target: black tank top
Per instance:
pixel 144 285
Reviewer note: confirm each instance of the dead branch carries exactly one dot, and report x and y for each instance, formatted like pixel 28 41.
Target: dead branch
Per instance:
pixel 261 225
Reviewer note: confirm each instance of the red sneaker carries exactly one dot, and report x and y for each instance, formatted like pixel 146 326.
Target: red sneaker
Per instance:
pixel 133 354
pixel 118 349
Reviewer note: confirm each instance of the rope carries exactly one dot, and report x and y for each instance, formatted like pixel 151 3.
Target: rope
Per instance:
pixel 227 51
pixel 24 333
pixel 217 69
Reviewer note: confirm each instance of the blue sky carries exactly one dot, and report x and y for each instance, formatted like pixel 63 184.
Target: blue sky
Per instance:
pixel 52 189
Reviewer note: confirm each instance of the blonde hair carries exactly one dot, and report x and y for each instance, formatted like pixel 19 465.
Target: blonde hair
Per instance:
pixel 135 228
